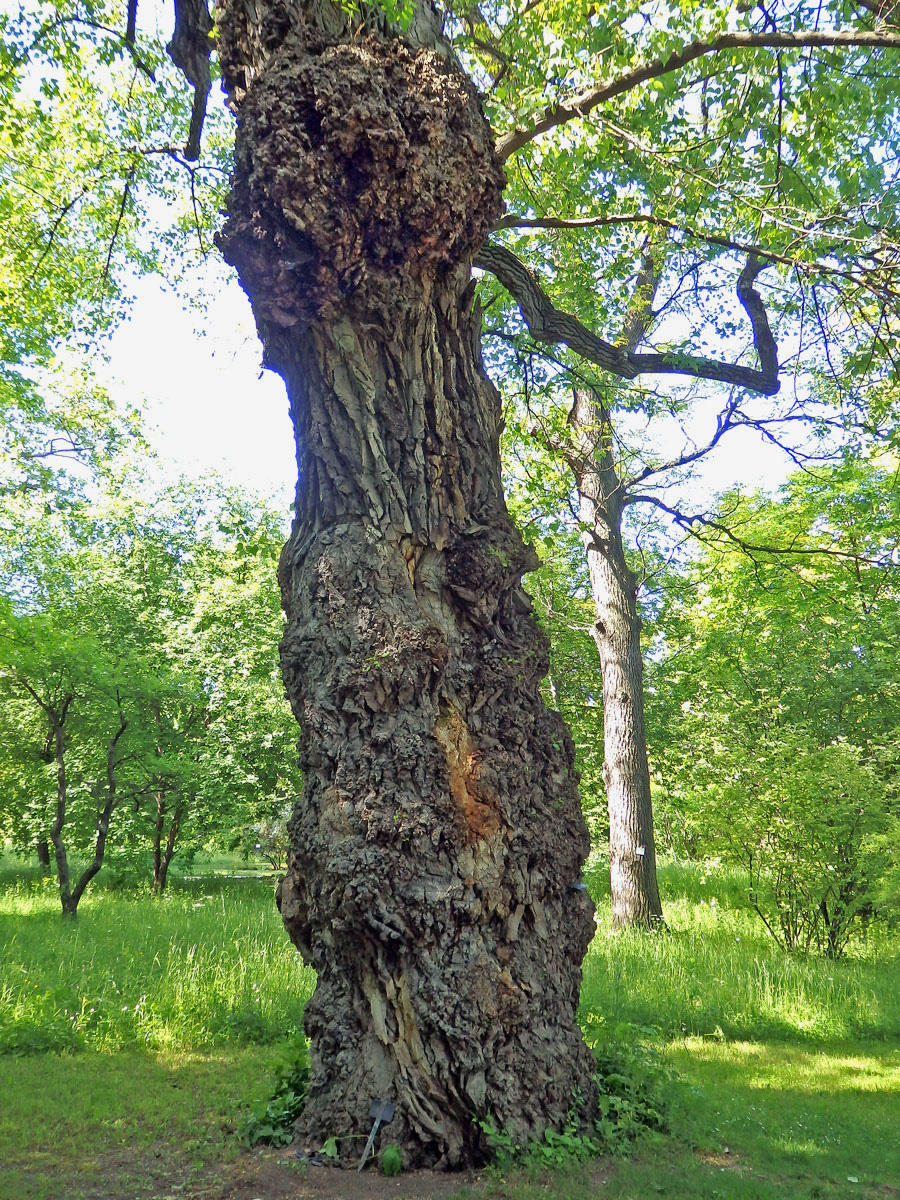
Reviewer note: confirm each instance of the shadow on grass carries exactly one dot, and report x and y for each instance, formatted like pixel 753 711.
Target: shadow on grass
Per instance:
pixel 825 1115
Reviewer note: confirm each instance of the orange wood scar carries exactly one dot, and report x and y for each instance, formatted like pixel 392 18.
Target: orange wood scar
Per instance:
pixel 477 804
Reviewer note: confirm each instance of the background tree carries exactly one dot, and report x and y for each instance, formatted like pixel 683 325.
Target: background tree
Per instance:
pixel 159 614
pixel 668 215
pixel 76 701
pixel 781 668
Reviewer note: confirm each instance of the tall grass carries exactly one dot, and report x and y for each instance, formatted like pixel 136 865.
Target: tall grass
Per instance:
pixel 205 965
pixel 210 965
pixel 718 974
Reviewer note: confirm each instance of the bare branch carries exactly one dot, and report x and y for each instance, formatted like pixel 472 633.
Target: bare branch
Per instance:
pixel 687 522
pixel 126 192
pixel 127 43
pixel 547 324
pixel 582 104
pixel 712 238
pixel 725 421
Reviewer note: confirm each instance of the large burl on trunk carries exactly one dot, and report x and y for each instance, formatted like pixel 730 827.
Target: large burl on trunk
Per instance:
pixel 438 843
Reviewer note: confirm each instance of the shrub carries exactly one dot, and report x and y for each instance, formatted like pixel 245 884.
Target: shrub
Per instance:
pixel 631 1102
pixel 272 1121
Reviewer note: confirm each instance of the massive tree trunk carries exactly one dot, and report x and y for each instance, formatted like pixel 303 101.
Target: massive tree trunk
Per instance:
pixel 617 633
pixel 436 851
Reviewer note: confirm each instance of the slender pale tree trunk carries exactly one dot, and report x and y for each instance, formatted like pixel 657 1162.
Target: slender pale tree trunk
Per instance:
pixel 438 844
pixel 617 633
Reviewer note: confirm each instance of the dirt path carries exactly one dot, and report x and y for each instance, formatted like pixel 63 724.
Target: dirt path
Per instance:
pixel 277 1175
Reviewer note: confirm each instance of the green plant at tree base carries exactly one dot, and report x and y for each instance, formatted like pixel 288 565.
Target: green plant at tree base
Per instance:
pixel 631 1102
pixel 391 1160
pixel 632 1082
pixel 272 1122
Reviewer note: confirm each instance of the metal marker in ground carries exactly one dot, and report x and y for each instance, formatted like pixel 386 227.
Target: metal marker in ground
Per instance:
pixel 382 1113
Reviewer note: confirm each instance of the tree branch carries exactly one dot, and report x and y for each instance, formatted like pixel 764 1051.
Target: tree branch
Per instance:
pixel 131 24
pixel 189 50
pixel 884 10
pixel 864 280
pixel 127 42
pixel 640 313
pixel 724 422
pixel 547 324
pixel 580 105
pixel 687 522
pixel 126 192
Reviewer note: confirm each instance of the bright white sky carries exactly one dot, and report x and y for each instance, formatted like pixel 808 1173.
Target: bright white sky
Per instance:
pixel 197 378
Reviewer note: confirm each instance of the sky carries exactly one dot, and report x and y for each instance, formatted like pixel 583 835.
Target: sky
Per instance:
pixel 197 379
pixel 196 376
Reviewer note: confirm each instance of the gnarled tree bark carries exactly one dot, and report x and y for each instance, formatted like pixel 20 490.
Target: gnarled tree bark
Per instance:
pixel 437 847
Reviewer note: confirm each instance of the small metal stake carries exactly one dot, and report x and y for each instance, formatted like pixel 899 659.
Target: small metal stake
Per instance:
pixel 382 1113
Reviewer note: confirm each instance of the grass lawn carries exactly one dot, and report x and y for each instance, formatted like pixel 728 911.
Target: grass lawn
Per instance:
pixel 124 1124
pixel 133 1039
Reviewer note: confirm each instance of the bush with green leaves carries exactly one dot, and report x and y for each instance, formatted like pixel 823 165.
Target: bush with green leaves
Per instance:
pixel 272 1121
pixel 632 1101
pixel 774 699
pixel 807 824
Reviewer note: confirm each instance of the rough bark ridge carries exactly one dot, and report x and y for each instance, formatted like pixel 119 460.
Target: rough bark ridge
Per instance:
pixel 439 835
pixel 617 634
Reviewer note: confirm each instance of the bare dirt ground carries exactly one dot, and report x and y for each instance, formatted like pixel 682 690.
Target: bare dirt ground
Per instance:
pixel 251 1175
pixel 277 1175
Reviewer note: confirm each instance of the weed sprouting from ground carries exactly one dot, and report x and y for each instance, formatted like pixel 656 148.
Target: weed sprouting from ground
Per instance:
pixel 272 1121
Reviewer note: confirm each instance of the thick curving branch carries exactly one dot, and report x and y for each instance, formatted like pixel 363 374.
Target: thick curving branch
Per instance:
pixel 189 50
pixel 582 104
pixel 547 324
